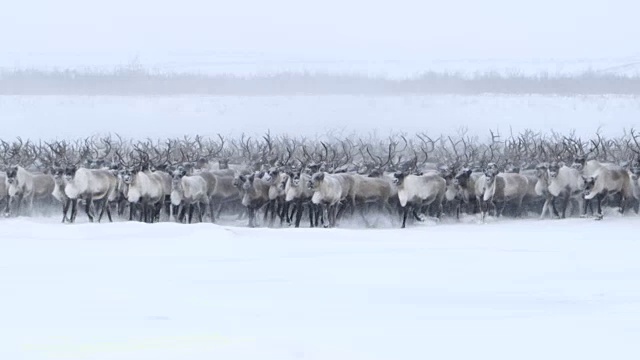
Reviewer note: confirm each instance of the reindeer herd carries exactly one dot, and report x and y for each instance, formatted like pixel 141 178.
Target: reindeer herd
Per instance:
pixel 279 180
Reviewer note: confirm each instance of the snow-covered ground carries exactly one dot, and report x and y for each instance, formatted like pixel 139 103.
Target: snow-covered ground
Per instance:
pixel 524 289
pixel 64 117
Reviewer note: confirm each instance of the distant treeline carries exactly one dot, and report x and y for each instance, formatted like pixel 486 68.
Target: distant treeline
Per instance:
pixel 138 81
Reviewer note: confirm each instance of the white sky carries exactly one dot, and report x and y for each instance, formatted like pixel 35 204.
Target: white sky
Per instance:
pixel 335 28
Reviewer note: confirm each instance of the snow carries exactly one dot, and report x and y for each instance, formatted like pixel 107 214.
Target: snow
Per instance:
pixel 509 289
pixel 65 117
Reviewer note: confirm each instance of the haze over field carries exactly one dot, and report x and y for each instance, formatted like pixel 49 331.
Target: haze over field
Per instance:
pixel 402 38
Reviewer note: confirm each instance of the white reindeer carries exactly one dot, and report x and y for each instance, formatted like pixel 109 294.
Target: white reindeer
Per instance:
pixel 601 180
pixel 607 181
pixel 189 192
pixel 503 188
pixel 276 203
pixel 23 186
pixel 255 195
pixel 328 191
pixel 416 191
pixel 298 194
pixel 89 185
pixel 146 189
pixel 58 191
pixel 542 189
pixel 565 184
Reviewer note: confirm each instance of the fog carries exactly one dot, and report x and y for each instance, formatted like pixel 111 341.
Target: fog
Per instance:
pixel 327 30
pixel 67 117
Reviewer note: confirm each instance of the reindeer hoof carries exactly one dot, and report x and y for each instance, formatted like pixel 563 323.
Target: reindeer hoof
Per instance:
pixel 599 217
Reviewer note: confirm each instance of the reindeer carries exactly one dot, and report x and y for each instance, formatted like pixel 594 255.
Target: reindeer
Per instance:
pixel 59 193
pixel 564 183
pixel 299 195
pixel 376 191
pixel 24 186
pixel 463 186
pixel 255 195
pixel 328 191
pixel 190 192
pixel 89 185
pixel 4 193
pixel 145 188
pixel 415 191
pixel 273 178
pixel 607 180
pixel 503 188
pixel 542 190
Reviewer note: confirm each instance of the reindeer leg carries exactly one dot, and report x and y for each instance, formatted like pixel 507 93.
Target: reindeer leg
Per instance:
pixel 252 215
pixel 109 214
pixel 565 204
pixel 599 199
pixel 191 206
pixel 623 203
pixel 87 209
pixel 74 210
pixel 103 207
pixel 333 214
pixel 405 212
pixel 200 214
pixel 212 210
pixel 20 199
pixel 65 208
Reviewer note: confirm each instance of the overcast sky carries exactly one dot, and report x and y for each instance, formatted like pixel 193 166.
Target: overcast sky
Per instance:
pixel 328 28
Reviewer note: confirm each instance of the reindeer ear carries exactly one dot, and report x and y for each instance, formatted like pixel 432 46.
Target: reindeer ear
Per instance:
pixel 320 176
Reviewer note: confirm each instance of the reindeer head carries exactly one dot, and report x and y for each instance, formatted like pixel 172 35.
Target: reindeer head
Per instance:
pixel 248 182
pixel 462 178
pixel 491 171
pixel 238 180
pixel 70 172
pixel 129 174
pixel 490 174
pixel 398 177
pixel 589 183
pixel 95 164
pixel 12 174
pixel 271 175
pixel 284 177
pixel 223 164
pixel 316 180
pixel 541 170
pixel 554 169
pixel 201 163
pixel 578 162
pixel 176 177
pixel 58 174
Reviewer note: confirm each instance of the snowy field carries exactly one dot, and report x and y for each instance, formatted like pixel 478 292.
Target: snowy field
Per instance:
pixel 64 117
pixel 524 289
